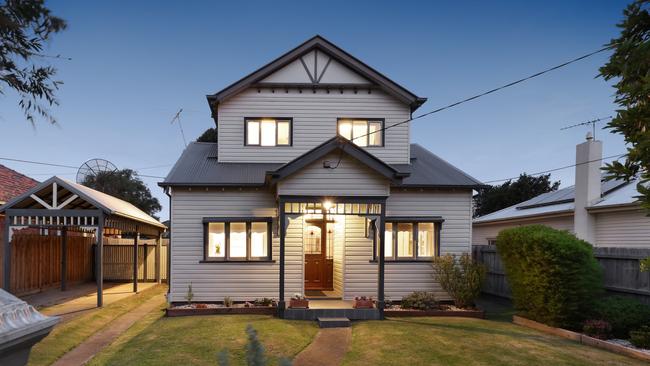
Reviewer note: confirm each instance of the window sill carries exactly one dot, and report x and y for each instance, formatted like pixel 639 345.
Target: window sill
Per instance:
pixel 424 260
pixel 237 261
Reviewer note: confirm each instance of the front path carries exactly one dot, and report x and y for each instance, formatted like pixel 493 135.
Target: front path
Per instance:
pixel 328 348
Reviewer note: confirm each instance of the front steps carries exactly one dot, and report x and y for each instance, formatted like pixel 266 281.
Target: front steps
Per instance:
pixel 333 322
pixel 314 314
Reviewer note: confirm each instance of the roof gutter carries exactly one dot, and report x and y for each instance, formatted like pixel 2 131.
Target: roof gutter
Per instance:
pixel 562 213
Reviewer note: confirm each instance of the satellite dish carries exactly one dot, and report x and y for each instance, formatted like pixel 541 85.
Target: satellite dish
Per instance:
pixel 94 167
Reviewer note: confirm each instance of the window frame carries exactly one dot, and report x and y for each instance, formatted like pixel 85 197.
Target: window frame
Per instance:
pixel 227 221
pixel 415 221
pixel 382 121
pixel 259 120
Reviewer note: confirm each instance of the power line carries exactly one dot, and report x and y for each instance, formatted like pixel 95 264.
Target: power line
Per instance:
pixel 560 168
pixel 592 123
pixel 489 91
pixel 66 166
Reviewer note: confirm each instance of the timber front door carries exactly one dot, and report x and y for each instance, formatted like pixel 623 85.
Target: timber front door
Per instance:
pixel 319 266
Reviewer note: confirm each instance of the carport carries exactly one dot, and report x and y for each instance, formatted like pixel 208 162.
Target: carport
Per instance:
pixel 59 207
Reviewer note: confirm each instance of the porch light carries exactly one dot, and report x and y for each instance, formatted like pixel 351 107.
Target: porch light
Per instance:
pixel 327 205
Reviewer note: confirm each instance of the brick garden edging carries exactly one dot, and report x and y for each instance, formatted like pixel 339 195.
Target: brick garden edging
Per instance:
pixel 579 337
pixel 477 314
pixel 172 312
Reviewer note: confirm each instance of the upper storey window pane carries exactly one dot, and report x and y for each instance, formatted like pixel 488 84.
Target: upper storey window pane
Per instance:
pixel 268 132
pixel 362 132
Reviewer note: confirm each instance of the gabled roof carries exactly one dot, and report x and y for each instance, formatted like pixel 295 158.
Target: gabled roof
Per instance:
pixel 615 193
pixel 320 43
pixel 343 145
pixel 13 184
pixel 86 196
pixel 199 166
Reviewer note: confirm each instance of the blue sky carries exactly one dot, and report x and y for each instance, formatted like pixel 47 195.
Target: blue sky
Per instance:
pixel 134 64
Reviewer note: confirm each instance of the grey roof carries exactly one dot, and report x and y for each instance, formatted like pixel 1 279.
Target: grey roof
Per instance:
pixel 198 166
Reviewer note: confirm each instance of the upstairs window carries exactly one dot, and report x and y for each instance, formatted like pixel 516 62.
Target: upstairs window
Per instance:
pixel 268 132
pixel 363 132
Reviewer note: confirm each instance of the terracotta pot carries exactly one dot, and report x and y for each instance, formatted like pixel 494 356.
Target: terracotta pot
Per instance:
pixel 363 304
pixel 299 304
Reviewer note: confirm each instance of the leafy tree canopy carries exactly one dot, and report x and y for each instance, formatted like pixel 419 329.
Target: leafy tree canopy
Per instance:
pixel 210 135
pixel 629 65
pixel 25 25
pixel 126 185
pixel 510 193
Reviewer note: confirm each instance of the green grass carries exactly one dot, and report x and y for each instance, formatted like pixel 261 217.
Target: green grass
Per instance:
pixel 197 340
pixel 68 335
pixel 458 341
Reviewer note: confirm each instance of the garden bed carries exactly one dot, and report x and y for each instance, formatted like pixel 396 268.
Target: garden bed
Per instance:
pixel 218 309
pixel 396 311
pixel 621 347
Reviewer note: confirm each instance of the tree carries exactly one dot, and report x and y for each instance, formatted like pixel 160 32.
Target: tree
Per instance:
pixel 25 25
pixel 630 66
pixel 210 135
pixel 126 185
pixel 510 193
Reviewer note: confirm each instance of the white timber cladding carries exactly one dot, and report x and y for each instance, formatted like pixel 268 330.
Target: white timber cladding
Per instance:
pixel 489 231
pixel 240 281
pixel 339 253
pixel 350 178
pixel 629 228
pixel 315 115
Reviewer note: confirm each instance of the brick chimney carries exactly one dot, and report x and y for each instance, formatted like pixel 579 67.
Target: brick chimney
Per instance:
pixel 587 187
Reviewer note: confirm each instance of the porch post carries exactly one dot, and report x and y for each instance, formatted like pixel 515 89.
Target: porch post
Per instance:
pixel 99 259
pixel 6 275
pixel 158 256
pixel 380 261
pixel 135 262
pixel 64 258
pixel 281 302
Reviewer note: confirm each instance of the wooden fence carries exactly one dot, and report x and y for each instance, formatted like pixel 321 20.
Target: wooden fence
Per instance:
pixel 620 271
pixel 118 259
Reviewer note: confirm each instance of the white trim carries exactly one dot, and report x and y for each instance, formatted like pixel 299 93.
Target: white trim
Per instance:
pixel 66 202
pixel 39 200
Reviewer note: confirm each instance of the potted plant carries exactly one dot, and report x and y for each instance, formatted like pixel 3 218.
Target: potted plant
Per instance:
pixel 298 301
pixel 362 302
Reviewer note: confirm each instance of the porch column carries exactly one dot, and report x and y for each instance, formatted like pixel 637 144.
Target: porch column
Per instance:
pixel 380 261
pixel 281 303
pixel 158 256
pixel 135 262
pixel 99 259
pixel 64 258
pixel 6 275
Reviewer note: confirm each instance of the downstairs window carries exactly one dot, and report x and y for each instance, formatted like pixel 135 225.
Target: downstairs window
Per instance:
pixel 416 239
pixel 237 239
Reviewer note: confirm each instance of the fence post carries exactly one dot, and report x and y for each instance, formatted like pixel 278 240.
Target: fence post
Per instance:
pixel 158 256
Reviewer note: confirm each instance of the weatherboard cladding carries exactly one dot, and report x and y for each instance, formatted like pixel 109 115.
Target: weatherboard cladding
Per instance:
pixel 199 166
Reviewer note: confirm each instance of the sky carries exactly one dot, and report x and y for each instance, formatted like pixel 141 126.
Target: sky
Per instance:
pixel 135 64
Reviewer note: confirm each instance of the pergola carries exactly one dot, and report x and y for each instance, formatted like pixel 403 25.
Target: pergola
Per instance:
pixel 62 205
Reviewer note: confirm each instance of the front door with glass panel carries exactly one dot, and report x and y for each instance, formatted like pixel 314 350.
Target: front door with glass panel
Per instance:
pixel 318 241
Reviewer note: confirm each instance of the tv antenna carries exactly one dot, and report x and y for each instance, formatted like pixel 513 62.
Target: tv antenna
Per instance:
pixel 592 123
pixel 177 117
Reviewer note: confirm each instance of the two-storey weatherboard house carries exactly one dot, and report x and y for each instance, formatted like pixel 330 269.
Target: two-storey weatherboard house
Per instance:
pixel 314 188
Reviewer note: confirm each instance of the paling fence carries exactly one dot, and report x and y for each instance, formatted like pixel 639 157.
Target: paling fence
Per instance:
pixel 621 271
pixel 118 259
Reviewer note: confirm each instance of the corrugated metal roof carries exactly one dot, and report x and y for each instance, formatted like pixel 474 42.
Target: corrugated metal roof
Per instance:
pixel 198 166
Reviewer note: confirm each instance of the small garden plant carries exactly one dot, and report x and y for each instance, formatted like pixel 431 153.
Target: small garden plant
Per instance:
pixel 228 302
pixel 189 296
pixel 600 329
pixel 255 354
pixel 554 276
pixel 623 313
pixel 641 338
pixel 420 300
pixel 461 277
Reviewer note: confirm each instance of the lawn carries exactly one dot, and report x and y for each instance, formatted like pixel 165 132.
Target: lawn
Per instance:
pixel 68 335
pixel 197 340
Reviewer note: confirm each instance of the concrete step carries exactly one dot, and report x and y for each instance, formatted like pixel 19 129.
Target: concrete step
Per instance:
pixel 333 322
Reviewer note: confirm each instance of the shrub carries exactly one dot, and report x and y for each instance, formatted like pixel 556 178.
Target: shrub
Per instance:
pixel 462 278
pixel 554 276
pixel 623 313
pixel 420 300
pixel 597 328
pixel 641 338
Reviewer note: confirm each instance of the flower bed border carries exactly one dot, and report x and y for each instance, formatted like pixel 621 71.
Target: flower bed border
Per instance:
pixel 477 314
pixel 259 310
pixel 582 338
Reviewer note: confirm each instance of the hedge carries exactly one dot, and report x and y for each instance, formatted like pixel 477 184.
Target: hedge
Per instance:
pixel 554 276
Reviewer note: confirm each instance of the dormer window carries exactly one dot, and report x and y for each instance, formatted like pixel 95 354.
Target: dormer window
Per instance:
pixel 268 132
pixel 363 132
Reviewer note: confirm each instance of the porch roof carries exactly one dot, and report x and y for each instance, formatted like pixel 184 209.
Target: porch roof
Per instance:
pixel 199 166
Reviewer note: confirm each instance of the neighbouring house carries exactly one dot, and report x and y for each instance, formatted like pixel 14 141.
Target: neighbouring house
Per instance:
pixel 314 188
pixel 604 213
